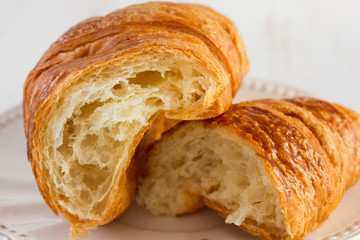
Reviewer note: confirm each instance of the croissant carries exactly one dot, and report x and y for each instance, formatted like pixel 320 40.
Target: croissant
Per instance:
pixel 100 86
pixel 276 168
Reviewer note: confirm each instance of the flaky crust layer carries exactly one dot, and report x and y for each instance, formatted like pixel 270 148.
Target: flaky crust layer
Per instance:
pixel 193 30
pixel 311 152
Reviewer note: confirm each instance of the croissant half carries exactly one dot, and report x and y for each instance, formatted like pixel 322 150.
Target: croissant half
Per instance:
pixel 98 88
pixel 276 168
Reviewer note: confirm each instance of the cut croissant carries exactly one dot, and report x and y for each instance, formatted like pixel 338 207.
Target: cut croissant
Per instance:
pixel 276 168
pixel 98 88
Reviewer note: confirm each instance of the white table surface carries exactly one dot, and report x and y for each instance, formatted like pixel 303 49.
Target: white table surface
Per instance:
pixel 313 45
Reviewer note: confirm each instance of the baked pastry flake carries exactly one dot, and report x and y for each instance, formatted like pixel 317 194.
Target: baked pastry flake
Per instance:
pixel 100 86
pixel 276 168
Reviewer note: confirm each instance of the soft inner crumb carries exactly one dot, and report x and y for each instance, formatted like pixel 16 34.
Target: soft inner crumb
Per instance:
pixel 207 163
pixel 90 129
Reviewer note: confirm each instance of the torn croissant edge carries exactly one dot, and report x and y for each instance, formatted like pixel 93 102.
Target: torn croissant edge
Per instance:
pixel 100 86
pixel 276 168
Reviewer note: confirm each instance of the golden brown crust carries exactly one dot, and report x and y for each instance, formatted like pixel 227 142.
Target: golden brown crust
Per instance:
pixel 192 30
pixel 311 152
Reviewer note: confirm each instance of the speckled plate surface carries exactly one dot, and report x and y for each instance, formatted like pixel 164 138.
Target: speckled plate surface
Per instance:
pixel 24 215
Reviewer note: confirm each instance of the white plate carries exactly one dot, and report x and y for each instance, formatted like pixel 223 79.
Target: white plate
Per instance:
pixel 24 215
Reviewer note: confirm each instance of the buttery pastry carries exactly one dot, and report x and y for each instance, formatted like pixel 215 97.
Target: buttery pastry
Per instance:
pixel 98 88
pixel 276 168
